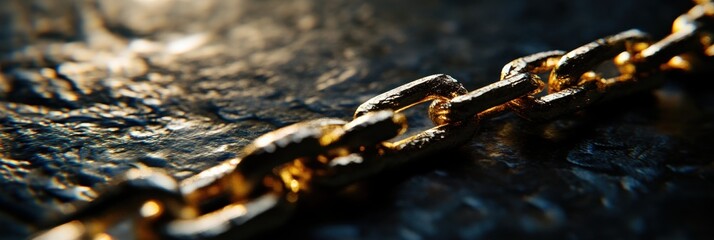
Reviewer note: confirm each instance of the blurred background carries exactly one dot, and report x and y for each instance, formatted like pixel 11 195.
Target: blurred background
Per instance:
pixel 91 88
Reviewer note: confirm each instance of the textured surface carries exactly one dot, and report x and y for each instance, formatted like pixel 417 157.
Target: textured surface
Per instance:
pixel 91 88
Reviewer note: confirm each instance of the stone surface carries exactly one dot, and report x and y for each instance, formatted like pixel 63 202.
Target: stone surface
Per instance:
pixel 89 89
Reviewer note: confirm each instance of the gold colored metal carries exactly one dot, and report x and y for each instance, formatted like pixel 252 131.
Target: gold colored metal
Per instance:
pixel 296 177
pixel 259 189
pixel 354 154
pixel 537 63
pixel 208 184
pixel 439 138
pixel 554 104
pixel 240 219
pixel 439 86
pixel 681 41
pixel 439 111
pixel 70 230
pixel 138 196
pixel 691 32
pixel 500 92
pixel 371 129
pixel 571 67
pixel 102 236
pixel 283 145
pixel 150 209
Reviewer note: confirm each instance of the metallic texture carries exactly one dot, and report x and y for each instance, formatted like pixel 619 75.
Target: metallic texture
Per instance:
pixel 438 86
pixel 283 145
pixel 130 191
pixel 574 64
pixel 556 104
pixel 465 106
pixel 257 190
pixel 691 33
pixel 536 63
pixel 551 105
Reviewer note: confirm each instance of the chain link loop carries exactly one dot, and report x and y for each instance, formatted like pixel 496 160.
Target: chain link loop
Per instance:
pixel 258 190
pixel 576 66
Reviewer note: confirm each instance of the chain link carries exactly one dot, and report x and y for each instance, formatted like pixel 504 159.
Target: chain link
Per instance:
pixel 259 189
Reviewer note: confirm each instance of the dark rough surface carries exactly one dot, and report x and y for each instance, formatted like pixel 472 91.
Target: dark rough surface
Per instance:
pixel 91 88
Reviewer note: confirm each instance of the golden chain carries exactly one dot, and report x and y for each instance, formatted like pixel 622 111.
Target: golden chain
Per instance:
pixel 258 190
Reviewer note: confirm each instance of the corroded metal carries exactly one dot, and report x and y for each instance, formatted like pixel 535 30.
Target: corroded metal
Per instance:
pixel 468 105
pixel 433 87
pixel 258 189
pixel 535 63
pixel 284 145
pixel 356 154
pixel 430 141
pixel 239 219
pixel 376 126
pixel 532 107
pixel 574 64
pixel 573 85
pixel 150 193
pixel 691 32
pixel 558 103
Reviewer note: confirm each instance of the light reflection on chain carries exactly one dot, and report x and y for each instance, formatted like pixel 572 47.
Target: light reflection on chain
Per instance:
pixel 258 190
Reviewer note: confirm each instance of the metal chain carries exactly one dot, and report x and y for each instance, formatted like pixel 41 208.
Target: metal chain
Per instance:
pixel 258 190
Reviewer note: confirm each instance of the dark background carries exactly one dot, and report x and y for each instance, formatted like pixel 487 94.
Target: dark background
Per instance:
pixel 90 88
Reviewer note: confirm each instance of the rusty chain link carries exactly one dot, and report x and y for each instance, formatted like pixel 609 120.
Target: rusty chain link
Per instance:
pixel 258 190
